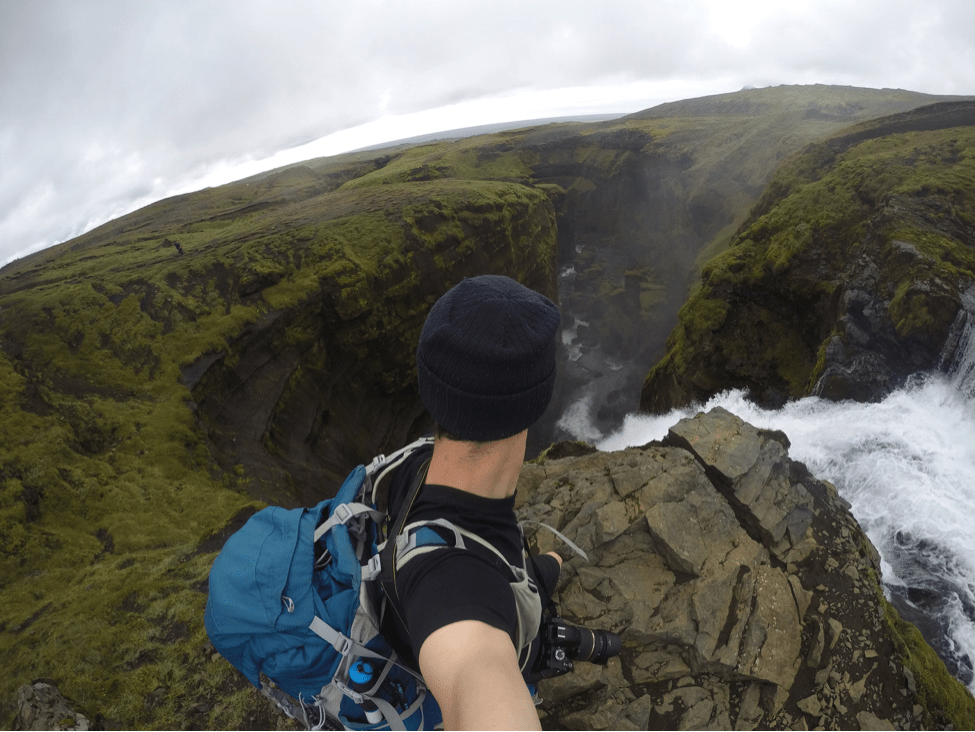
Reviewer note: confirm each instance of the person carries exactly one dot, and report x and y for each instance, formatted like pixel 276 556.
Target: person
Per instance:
pixel 486 369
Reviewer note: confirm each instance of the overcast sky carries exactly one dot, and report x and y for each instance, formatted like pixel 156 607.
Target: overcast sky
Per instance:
pixel 109 105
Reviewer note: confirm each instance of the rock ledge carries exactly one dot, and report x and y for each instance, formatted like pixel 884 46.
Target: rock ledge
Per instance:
pixel 745 592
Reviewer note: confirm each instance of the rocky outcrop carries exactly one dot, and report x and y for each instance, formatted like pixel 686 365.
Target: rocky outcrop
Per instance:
pixel 746 595
pixel 745 592
pixel 41 706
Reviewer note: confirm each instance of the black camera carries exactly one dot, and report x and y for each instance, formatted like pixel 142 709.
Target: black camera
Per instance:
pixel 560 644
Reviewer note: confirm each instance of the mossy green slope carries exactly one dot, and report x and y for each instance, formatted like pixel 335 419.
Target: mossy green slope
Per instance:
pixel 110 484
pixel 938 691
pixel 879 209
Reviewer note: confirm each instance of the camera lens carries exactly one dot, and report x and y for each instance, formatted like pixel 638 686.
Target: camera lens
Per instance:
pixel 595 646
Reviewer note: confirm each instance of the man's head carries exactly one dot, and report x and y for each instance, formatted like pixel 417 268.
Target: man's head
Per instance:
pixel 486 358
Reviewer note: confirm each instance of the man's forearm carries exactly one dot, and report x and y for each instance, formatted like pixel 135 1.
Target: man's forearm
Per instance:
pixel 472 670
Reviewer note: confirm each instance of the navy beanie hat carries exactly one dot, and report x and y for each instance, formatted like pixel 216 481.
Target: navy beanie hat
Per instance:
pixel 486 358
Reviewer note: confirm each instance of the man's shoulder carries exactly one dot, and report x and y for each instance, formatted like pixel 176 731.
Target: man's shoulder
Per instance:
pixel 402 479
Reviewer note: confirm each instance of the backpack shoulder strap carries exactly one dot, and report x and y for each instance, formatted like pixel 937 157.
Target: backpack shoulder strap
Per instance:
pixel 528 607
pixel 383 465
pixel 387 575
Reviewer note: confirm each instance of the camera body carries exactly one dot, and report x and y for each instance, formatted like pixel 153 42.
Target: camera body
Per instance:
pixel 561 644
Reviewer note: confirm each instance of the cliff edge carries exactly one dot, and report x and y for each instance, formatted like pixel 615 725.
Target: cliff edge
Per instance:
pixel 854 271
pixel 746 594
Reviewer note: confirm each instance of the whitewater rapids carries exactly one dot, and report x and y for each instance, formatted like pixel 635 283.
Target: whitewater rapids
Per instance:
pixel 907 467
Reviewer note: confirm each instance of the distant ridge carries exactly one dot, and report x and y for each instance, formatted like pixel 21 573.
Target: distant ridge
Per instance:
pixel 832 100
pixel 488 130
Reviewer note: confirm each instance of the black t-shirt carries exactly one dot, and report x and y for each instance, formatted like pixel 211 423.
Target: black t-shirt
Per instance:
pixel 449 585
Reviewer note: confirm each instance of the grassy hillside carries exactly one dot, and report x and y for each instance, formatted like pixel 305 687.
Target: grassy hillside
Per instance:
pixel 884 209
pixel 110 482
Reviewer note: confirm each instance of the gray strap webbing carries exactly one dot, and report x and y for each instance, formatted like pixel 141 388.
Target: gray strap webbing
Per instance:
pixel 340 642
pixel 387 464
pixel 381 460
pixel 407 546
pixel 395 719
pixel 559 534
pixel 343 513
pixel 392 717
pixel 407 540
pixel 372 568
pixel 528 605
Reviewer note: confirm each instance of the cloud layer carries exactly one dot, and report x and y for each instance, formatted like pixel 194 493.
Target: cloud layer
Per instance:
pixel 109 105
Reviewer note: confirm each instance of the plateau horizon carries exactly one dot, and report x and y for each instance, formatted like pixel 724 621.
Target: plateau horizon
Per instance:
pixel 464 119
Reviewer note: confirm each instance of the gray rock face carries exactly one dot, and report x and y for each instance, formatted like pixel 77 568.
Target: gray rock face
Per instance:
pixel 744 591
pixel 41 706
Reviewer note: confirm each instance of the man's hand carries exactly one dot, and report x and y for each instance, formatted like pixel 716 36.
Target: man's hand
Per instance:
pixel 472 670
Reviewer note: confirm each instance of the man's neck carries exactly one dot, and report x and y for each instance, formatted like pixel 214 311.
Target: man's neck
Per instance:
pixel 490 470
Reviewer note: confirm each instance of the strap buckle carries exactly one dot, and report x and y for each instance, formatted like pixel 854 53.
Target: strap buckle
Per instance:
pixel 343 513
pixel 372 568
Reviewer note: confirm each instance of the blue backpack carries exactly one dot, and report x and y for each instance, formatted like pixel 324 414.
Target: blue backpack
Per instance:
pixel 295 596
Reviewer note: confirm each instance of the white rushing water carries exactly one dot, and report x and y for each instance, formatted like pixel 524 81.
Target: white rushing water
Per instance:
pixel 907 467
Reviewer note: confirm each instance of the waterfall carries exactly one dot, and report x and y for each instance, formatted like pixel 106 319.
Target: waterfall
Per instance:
pixel 958 359
pixel 907 467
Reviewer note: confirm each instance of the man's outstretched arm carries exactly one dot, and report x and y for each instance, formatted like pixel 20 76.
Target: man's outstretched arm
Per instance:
pixel 472 670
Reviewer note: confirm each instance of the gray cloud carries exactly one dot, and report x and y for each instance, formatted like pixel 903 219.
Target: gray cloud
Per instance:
pixel 107 104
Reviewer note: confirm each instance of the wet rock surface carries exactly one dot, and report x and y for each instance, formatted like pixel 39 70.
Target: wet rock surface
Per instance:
pixel 745 592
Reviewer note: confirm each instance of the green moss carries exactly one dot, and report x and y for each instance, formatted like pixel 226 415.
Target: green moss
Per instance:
pixel 902 200
pixel 938 691
pixel 107 484
pixel 703 316
pixel 789 354
pixel 475 158
pixel 819 367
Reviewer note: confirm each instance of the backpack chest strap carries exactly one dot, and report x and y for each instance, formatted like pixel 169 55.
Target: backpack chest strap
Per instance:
pixel 344 513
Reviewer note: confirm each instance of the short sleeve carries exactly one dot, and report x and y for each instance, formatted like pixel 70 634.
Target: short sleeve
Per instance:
pixel 450 585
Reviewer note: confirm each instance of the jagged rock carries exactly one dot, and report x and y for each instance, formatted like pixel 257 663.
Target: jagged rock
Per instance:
pixel 810 705
pixel 750 712
pixel 819 642
pixel 870 721
pixel 41 706
pixel 754 475
pixel 709 554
